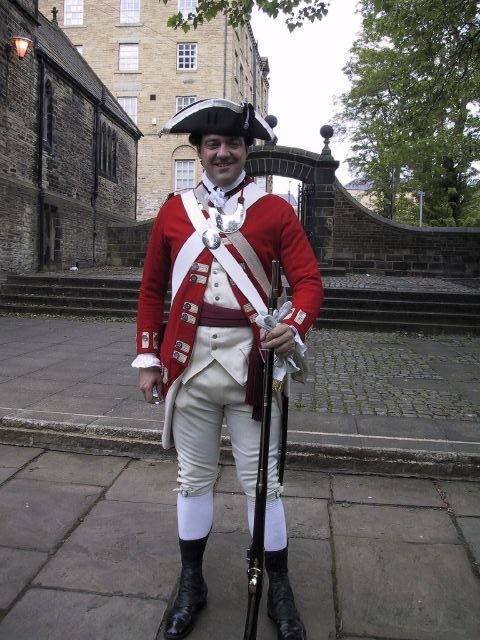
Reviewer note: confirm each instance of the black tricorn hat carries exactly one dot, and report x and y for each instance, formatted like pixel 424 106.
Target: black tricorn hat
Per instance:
pixel 220 116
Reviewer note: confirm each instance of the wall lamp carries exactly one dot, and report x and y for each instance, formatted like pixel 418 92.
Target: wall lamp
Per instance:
pixel 21 45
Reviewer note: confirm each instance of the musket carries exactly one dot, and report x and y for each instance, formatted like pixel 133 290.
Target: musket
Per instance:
pixel 256 557
pixel 283 435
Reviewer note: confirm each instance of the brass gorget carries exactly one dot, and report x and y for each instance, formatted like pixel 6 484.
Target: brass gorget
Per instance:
pixel 228 222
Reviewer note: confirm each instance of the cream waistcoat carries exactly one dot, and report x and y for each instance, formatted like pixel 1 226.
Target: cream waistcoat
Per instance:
pixel 230 347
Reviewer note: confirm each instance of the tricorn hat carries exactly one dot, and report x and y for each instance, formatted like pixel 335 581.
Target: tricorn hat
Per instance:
pixel 220 116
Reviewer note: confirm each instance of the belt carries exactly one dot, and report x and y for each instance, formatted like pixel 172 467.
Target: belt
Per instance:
pixel 214 316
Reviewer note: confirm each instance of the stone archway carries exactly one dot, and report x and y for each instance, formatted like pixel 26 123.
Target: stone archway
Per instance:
pixel 317 173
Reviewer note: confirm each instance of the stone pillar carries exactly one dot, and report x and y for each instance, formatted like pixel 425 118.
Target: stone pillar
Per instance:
pixel 320 201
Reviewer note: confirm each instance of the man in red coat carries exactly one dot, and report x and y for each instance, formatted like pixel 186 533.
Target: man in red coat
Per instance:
pixel 214 245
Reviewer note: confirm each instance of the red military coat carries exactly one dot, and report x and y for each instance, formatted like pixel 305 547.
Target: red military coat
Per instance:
pixel 274 232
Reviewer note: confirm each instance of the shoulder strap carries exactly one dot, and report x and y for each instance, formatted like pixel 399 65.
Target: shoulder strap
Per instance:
pixel 222 254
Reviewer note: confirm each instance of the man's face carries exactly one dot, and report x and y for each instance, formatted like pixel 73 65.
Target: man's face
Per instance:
pixel 223 158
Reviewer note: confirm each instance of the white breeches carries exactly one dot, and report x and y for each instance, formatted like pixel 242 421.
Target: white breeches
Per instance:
pixel 200 408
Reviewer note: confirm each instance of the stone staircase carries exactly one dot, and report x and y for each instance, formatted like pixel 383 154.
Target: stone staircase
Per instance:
pixel 344 307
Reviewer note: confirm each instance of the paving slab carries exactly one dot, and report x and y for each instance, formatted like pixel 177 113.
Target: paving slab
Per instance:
pixel 74 468
pixel 19 398
pixel 306 484
pixel 393 589
pixel 37 515
pixel 122 548
pixel 225 573
pixel 409 524
pixel 470 528
pixel 88 390
pixel 307 518
pixel 137 408
pixel 45 614
pixel 324 422
pixel 17 567
pixel 461 430
pixel 36 384
pixel 146 481
pixel 386 490
pixel 17 457
pixel 66 403
pixel 399 426
pixel 463 497
pixel 6 473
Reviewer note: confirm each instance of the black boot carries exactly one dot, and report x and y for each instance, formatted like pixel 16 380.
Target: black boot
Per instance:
pixel 281 604
pixel 192 591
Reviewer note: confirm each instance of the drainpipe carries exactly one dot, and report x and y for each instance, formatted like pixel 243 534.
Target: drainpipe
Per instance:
pixel 96 166
pixel 135 204
pixel 225 58
pixel 255 53
pixel 41 192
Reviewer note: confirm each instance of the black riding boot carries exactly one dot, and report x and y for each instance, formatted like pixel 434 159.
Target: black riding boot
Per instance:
pixel 281 604
pixel 192 590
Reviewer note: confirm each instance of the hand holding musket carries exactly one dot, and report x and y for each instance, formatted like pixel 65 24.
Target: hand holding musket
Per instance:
pixel 257 553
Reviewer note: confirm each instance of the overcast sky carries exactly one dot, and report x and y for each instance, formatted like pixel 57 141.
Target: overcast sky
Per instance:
pixel 306 76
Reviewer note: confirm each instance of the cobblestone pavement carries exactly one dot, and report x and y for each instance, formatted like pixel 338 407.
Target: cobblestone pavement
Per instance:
pixel 388 374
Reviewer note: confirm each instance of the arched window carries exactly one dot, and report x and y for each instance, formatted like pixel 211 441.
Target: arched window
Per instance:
pixel 48 115
pixel 108 168
pixel 113 161
pixel 103 149
pixel 108 152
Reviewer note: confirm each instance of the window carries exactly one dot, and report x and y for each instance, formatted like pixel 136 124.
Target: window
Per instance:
pixel 72 12
pixel 108 152
pixel 184 101
pixel 129 11
pixel 129 105
pixel 235 65
pixel 79 48
pixel 48 115
pixel 128 57
pixel 241 79
pixel 187 55
pixel 187 6
pixel 184 174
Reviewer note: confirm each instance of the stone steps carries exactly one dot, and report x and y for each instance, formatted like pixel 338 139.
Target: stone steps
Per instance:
pixel 355 308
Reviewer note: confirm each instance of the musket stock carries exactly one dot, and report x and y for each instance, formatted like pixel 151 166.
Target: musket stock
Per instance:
pixel 256 558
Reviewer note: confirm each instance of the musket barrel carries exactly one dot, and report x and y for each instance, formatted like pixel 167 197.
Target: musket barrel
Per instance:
pixel 257 552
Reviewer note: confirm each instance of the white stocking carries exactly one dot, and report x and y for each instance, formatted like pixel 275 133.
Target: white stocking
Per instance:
pixel 195 516
pixel 275 523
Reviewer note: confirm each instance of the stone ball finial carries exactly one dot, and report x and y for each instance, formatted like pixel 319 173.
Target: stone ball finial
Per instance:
pixel 326 132
pixel 272 121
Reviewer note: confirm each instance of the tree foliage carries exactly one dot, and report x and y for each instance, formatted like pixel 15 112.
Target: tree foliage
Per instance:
pixel 296 12
pixel 413 110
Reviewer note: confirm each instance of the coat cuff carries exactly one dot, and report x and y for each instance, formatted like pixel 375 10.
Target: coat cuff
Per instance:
pixel 148 341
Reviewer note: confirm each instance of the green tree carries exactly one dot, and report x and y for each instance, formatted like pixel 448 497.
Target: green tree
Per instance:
pixel 296 12
pixel 414 105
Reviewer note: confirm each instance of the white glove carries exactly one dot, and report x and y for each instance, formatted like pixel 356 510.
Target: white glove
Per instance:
pixel 281 364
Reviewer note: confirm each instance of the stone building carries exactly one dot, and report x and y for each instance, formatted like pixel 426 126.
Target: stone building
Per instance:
pixel 67 150
pixel 154 71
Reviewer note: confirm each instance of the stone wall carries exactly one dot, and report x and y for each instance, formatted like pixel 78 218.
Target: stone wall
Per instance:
pixel 363 241
pixel 52 211
pixel 127 245
pixel 18 135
